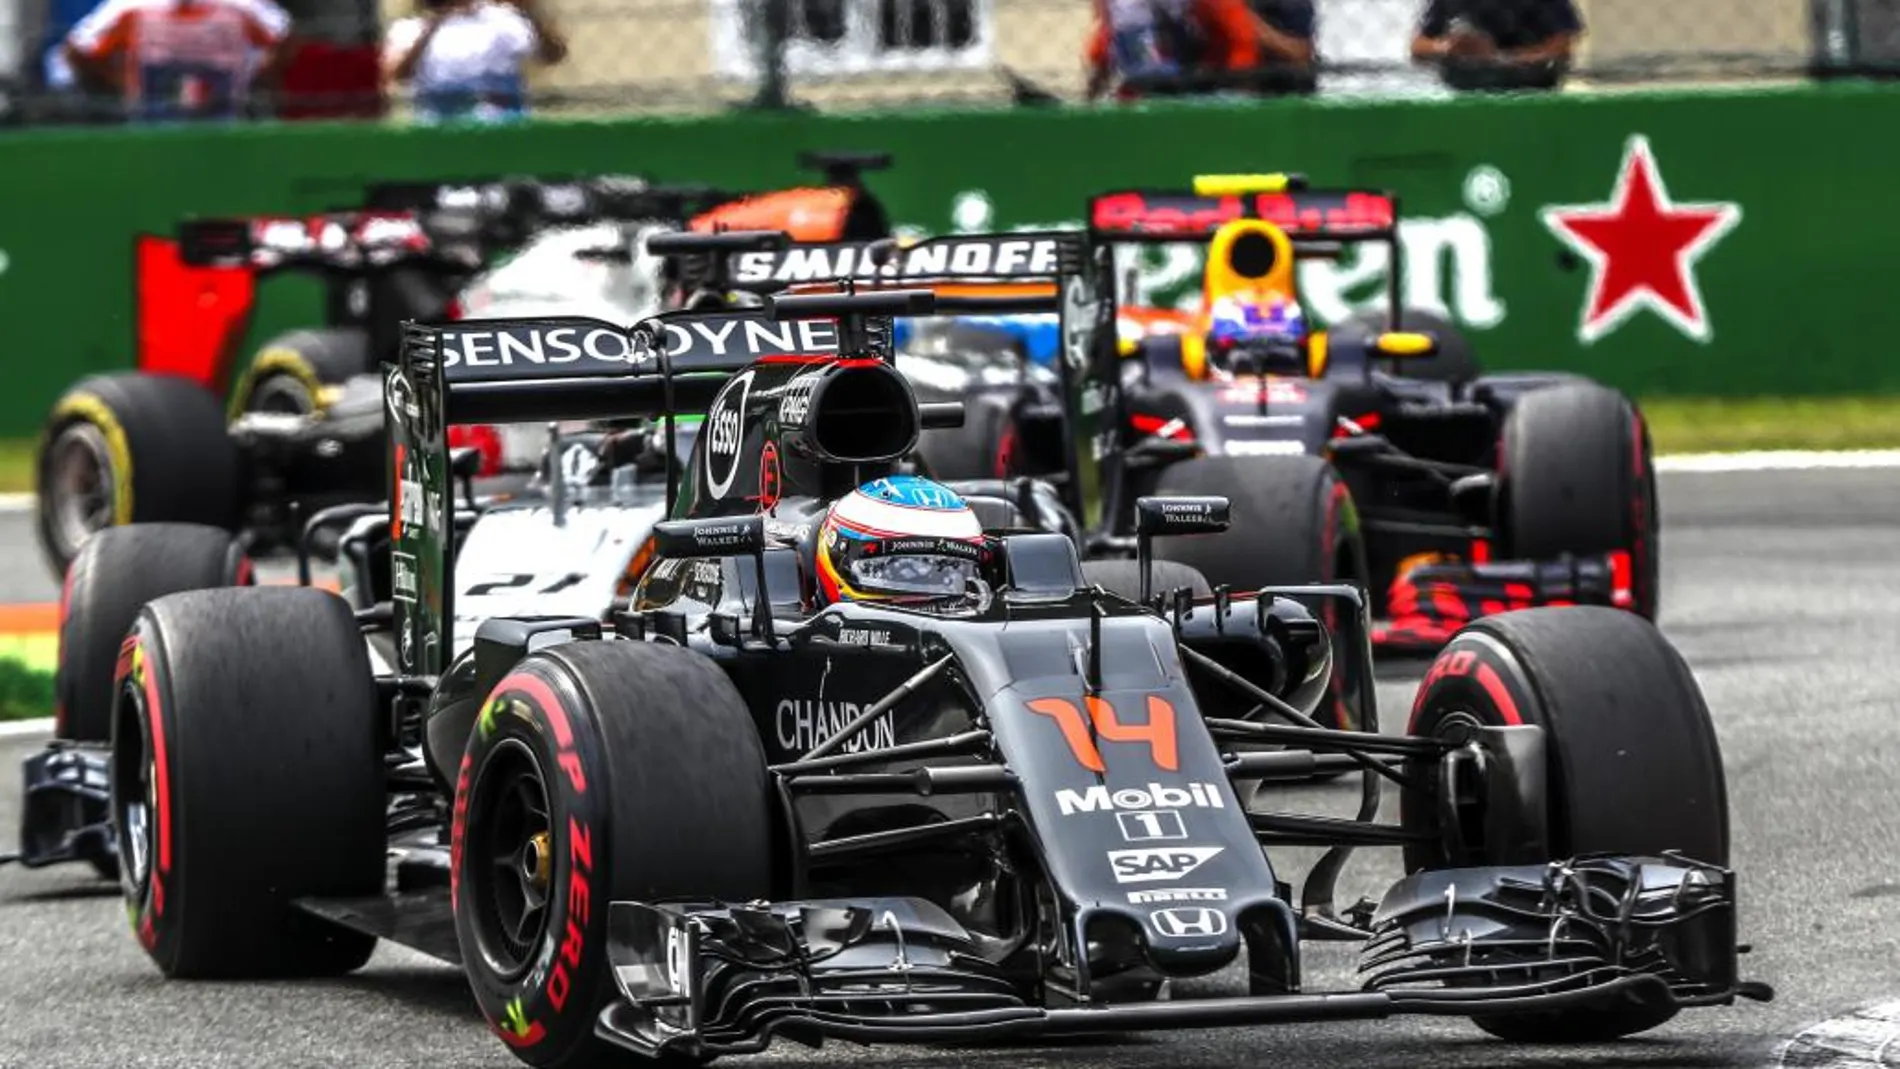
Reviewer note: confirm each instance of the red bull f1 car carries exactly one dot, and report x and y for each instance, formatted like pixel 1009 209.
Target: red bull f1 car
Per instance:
pixel 1469 494
pixel 745 809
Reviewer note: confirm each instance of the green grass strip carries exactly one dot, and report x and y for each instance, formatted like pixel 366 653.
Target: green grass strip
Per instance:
pixel 1723 425
pixel 25 691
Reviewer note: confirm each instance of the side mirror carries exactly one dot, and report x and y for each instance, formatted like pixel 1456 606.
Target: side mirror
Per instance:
pixel 1471 498
pixel 1358 445
pixel 940 415
pixel 718 536
pixel 1173 516
pixel 1404 343
pixel 1181 515
pixel 722 536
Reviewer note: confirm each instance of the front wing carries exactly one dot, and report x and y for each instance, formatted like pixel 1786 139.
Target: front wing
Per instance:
pixel 1428 603
pixel 66 811
pixel 709 979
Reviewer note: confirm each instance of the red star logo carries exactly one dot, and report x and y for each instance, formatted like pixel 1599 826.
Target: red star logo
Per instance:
pixel 1642 248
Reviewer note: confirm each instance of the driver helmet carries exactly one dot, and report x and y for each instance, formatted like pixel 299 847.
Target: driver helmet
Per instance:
pixel 898 539
pixel 1255 317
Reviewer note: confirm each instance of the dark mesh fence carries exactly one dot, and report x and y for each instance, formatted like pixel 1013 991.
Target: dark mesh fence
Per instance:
pixel 699 56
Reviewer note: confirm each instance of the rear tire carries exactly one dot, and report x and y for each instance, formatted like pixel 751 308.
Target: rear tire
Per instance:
pixel 247 772
pixel 1293 524
pixel 297 372
pixel 115 574
pixel 976 450
pixel 1635 767
pixel 629 771
pixel 132 448
pixel 1577 477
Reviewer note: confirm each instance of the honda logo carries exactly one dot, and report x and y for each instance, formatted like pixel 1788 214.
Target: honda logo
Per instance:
pixel 1183 923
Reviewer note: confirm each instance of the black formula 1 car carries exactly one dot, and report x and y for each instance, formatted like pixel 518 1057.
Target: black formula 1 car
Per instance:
pixel 169 443
pixel 732 813
pixel 299 430
pixel 1454 494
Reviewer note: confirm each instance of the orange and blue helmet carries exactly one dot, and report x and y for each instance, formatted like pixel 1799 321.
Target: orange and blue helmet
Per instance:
pixel 900 538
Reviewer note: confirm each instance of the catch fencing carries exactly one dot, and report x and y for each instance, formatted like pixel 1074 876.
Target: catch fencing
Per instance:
pixel 702 56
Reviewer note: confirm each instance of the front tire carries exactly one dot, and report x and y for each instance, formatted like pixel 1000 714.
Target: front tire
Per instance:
pixel 1578 478
pixel 246 772
pixel 1635 768
pixel 1293 524
pixel 597 772
pixel 132 448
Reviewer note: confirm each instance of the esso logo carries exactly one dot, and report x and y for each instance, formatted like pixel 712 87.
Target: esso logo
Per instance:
pixel 724 423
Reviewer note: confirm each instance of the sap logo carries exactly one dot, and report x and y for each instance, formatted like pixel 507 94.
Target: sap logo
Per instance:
pixel 986 257
pixel 1099 799
pixel 403 574
pixel 803 724
pixel 1188 923
pixel 1153 866
pixel 724 424
pixel 1178 894
pixel 506 346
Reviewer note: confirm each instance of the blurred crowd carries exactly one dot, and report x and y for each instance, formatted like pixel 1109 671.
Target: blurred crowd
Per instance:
pixel 160 60
pixel 469 60
pixel 1140 47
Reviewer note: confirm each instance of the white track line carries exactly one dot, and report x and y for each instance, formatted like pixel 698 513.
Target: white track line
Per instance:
pixel 16 502
pixel 13 729
pixel 1868 1038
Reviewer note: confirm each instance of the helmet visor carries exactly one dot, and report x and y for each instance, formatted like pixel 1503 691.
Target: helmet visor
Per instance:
pixel 924 575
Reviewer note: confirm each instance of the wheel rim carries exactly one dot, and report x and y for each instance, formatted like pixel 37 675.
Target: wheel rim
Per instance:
pixel 509 846
pixel 134 795
pixel 283 394
pixel 82 485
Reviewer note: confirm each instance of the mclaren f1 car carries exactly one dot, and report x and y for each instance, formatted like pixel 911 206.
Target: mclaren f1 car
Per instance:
pixel 741 809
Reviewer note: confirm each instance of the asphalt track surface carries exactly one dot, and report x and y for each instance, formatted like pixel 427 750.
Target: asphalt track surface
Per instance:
pixel 1781 588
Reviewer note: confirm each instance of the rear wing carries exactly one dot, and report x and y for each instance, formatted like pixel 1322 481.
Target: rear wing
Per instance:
pixel 1319 222
pixel 1016 272
pixel 580 199
pixel 1307 215
pixel 537 370
pixel 530 370
pixel 503 212
pixel 342 241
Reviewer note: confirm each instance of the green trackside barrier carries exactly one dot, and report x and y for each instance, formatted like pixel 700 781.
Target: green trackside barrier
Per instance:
pixel 1710 243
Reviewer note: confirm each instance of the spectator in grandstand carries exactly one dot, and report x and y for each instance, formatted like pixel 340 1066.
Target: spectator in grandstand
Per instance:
pixel 1499 44
pixel 1200 45
pixel 179 59
pixel 465 58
